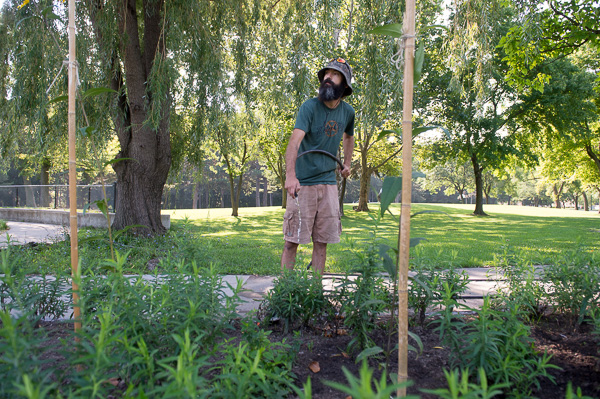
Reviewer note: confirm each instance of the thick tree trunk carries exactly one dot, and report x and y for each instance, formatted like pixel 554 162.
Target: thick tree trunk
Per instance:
pixel 145 149
pixel 478 170
pixel 586 204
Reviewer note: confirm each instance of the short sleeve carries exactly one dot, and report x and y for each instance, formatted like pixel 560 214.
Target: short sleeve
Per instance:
pixel 304 117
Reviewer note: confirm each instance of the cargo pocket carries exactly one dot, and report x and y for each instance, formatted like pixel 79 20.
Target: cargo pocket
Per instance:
pixel 290 225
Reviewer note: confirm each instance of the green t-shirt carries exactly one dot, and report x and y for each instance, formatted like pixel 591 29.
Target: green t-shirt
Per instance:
pixel 324 128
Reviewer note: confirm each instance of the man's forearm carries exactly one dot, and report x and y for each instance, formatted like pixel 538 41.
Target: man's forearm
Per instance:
pixel 348 150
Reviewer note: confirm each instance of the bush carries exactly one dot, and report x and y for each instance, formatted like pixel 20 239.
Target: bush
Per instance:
pixel 496 341
pixel 574 280
pixel 295 299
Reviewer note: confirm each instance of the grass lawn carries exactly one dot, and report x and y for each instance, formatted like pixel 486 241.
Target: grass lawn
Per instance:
pixel 252 242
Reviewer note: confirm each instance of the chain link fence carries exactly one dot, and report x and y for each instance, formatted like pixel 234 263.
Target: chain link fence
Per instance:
pixel 53 196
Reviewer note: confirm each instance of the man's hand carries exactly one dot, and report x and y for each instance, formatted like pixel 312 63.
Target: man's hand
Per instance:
pixel 292 185
pixel 345 172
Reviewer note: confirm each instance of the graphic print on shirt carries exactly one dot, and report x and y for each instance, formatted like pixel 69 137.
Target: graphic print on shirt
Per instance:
pixel 331 128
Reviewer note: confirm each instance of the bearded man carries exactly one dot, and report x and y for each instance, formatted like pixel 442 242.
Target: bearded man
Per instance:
pixel 312 203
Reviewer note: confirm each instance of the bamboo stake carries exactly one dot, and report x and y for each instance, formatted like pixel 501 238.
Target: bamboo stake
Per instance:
pixel 404 233
pixel 73 167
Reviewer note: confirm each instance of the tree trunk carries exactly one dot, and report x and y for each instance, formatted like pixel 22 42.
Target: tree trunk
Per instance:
pixel 29 194
pixel 365 180
pixel 258 178
pixel 195 196
pixel 556 192
pixel 478 170
pixel 265 200
pixel 145 149
pixel 586 204
pixel 45 181
pixel 576 202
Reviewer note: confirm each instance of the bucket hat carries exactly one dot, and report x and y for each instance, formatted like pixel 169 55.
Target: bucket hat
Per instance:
pixel 342 66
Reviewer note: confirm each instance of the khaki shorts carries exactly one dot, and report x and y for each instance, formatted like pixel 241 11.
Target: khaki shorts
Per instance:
pixel 318 216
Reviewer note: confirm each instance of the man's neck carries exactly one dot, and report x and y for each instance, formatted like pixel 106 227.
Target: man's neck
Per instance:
pixel 332 104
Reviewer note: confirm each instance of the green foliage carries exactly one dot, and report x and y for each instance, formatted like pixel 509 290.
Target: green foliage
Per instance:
pixel 20 363
pixel 3 225
pixel 574 279
pixel 34 297
pixel 364 387
pixel 296 298
pixel 577 394
pixel 158 336
pixel 460 387
pixel 522 286
pixel 427 288
pixel 496 341
pixel 363 296
pixel 258 372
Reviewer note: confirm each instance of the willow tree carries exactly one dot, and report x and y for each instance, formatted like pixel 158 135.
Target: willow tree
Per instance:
pixel 32 54
pixel 158 56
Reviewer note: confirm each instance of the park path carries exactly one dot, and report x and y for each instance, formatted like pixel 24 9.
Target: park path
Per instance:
pixel 20 233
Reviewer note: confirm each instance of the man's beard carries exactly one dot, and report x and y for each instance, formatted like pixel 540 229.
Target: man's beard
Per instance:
pixel 330 92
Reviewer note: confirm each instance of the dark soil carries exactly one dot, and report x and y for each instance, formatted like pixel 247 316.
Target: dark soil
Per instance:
pixel 576 352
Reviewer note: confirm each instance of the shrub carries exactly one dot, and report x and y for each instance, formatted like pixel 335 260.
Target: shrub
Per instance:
pixel 574 280
pixel 496 341
pixel 523 287
pixel 427 286
pixel 295 299
pixel 363 296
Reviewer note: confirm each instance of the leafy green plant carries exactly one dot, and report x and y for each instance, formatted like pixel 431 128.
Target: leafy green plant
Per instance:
pixel 496 341
pixel 427 286
pixel 460 386
pixel 574 279
pixel 37 297
pixel 363 297
pixel 19 346
pixel 522 286
pixel 3 225
pixel 249 373
pixel 295 299
pixel 365 387
pixel 570 394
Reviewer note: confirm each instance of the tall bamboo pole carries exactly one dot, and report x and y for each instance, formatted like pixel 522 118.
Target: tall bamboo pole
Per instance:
pixel 404 234
pixel 73 166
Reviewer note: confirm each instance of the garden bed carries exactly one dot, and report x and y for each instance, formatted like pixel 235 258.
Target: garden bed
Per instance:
pixel 574 352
